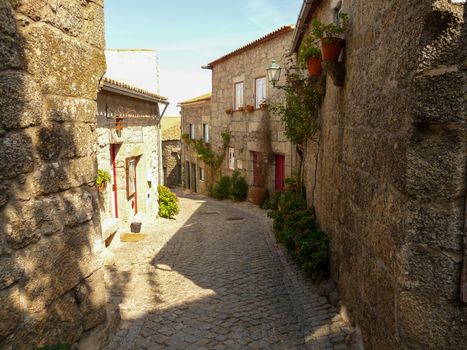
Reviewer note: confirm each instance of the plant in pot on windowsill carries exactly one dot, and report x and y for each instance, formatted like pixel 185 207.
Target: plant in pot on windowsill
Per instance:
pixel 102 178
pixel 240 109
pixel 310 56
pixel 263 105
pixel 229 111
pixel 329 34
pixel 250 108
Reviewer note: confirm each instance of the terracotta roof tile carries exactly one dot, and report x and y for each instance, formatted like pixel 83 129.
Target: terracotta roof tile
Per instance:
pixel 205 97
pixel 134 89
pixel 253 44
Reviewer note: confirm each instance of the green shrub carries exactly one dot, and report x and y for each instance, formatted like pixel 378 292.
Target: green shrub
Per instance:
pixel 238 186
pixel 102 176
pixel 221 189
pixel 55 347
pixel 295 226
pixel 168 203
pixel 272 202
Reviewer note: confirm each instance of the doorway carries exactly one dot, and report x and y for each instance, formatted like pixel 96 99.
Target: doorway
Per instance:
pixel 279 171
pixel 193 170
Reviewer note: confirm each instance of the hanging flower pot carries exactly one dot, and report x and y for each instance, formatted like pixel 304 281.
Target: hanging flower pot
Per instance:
pixel 313 65
pixel 331 48
pixel 250 108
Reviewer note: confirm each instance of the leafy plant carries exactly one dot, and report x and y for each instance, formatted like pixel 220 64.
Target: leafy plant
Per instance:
pixel 102 177
pixel 221 189
pixel 272 202
pixel 295 227
pixel 320 30
pixel 308 48
pixel 299 111
pixel 55 347
pixel 168 203
pixel 238 186
pixel 186 138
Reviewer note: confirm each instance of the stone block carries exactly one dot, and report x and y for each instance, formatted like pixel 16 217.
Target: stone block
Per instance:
pixel 93 306
pixel 65 140
pixel 60 324
pixel 9 272
pixel 439 98
pixel 20 101
pixel 427 325
pixel 78 252
pixel 432 273
pixel 64 174
pixel 16 154
pixel 10 313
pixel 436 164
pixel 62 65
pixel 440 226
pixel 68 109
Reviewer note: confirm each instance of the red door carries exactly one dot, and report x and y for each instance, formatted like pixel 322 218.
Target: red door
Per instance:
pixel 280 172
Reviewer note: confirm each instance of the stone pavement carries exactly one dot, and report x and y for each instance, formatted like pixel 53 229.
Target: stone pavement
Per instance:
pixel 214 279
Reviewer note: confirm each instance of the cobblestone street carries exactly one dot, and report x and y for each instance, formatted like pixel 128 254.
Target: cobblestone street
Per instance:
pixel 214 279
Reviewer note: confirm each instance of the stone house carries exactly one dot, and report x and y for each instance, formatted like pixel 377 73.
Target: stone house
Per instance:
pixel 171 151
pixel 195 125
pixel 258 146
pixel 129 149
pixel 391 169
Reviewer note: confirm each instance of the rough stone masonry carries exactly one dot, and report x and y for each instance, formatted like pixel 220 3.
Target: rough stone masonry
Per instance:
pixel 51 279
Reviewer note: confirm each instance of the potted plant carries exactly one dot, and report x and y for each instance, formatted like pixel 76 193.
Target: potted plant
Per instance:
pixel 102 178
pixel 310 56
pixel 263 105
pixel 229 111
pixel 329 34
pixel 250 108
pixel 240 109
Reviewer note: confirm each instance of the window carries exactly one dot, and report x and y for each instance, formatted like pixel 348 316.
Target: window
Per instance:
pixel 231 158
pixel 192 131
pixel 206 133
pixel 238 100
pixel 201 174
pixel 260 91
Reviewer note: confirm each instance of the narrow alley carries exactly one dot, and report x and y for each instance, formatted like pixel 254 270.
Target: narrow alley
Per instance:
pixel 215 279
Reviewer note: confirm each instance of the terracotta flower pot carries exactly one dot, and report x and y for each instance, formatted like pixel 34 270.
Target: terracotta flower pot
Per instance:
pixel 313 65
pixel 102 186
pixel 263 106
pixel 257 194
pixel 229 111
pixel 240 109
pixel 250 108
pixel 331 48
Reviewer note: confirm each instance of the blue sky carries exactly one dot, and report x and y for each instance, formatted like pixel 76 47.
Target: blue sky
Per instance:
pixel 188 34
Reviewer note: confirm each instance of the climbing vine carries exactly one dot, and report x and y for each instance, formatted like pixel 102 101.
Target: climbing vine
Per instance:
pixel 206 154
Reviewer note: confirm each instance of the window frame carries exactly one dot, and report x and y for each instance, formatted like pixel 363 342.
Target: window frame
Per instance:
pixel 202 174
pixel 258 103
pixel 205 132
pixel 192 131
pixel 231 158
pixel 235 95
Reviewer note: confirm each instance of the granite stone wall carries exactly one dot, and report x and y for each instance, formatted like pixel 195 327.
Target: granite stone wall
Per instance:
pixel 51 278
pixel 171 161
pixel 391 172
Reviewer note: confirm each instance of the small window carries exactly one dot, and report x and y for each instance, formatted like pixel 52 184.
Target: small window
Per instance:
pixel 206 133
pixel 260 91
pixel 231 158
pixel 238 101
pixel 201 174
pixel 192 131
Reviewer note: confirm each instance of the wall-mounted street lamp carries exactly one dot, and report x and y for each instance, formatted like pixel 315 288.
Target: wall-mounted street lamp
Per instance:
pixel 274 73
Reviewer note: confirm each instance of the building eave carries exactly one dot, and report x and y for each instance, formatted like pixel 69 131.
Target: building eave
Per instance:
pixel 307 10
pixel 115 86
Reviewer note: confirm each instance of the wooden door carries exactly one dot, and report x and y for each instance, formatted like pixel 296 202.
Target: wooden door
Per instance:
pixel 280 172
